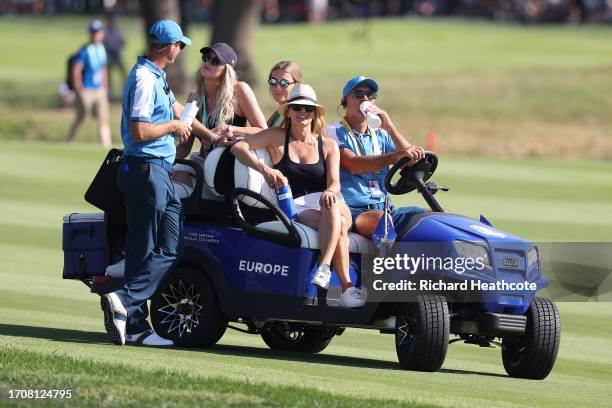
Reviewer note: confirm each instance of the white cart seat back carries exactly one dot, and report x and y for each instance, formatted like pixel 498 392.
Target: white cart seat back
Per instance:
pixel 251 179
pixel 210 169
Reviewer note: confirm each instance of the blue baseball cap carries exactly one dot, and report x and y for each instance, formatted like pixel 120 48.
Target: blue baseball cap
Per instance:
pixel 95 26
pixel 358 80
pixel 167 32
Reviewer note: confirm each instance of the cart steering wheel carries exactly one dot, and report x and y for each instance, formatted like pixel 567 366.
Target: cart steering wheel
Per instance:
pixel 410 176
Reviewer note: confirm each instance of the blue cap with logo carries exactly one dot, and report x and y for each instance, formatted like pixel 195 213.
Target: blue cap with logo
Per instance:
pixel 358 80
pixel 167 32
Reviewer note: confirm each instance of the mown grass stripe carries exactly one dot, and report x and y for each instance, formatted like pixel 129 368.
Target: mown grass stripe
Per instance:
pixel 30 236
pixel 99 383
pixel 36 213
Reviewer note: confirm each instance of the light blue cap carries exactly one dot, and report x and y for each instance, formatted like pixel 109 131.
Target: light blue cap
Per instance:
pixel 95 26
pixel 167 32
pixel 358 80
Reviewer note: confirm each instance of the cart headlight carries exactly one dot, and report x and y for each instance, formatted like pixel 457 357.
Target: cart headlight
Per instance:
pixel 533 257
pixel 473 250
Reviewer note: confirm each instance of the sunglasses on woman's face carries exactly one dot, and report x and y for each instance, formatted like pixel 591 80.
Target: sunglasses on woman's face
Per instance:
pixel 213 60
pixel 361 93
pixel 283 83
pixel 298 108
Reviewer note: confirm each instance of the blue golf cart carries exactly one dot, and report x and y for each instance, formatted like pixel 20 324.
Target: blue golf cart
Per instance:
pixel 247 267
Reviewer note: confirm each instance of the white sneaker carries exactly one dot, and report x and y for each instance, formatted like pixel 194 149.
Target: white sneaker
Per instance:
pixel 148 338
pixel 322 277
pixel 115 317
pixel 351 298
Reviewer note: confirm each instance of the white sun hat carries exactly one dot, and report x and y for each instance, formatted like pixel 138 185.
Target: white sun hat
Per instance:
pixel 302 94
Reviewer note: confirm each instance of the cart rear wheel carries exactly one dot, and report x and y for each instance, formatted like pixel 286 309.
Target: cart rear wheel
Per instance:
pixel 185 309
pixel 298 338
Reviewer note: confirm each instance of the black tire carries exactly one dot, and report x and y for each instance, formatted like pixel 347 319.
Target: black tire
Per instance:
pixel 301 339
pixel 421 336
pixel 533 355
pixel 185 309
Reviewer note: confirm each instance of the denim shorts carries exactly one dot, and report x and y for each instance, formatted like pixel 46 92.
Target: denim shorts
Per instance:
pixel 401 215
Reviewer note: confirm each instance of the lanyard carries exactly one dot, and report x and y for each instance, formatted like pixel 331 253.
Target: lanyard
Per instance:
pixel 277 121
pixel 205 113
pixel 373 135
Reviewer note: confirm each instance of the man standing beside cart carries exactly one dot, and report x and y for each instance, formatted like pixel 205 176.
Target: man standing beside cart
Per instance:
pixel 148 131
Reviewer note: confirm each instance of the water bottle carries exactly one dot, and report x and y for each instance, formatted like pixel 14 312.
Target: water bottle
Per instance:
pixel 373 120
pixel 285 202
pixel 189 112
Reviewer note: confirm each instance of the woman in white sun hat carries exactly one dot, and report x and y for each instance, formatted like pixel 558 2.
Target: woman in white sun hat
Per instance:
pixel 309 162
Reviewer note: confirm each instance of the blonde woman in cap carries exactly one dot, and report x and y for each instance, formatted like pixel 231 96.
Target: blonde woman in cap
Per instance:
pixel 281 79
pixel 309 163
pixel 226 104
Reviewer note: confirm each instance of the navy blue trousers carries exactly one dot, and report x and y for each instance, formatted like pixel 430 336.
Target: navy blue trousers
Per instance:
pixel 154 239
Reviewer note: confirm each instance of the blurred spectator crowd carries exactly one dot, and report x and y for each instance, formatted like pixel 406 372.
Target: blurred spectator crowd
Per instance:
pixel 289 11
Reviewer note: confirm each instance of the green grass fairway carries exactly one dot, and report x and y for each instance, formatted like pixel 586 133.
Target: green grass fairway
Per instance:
pixel 493 89
pixel 52 336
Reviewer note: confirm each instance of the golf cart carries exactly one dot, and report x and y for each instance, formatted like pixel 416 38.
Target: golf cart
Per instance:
pixel 246 263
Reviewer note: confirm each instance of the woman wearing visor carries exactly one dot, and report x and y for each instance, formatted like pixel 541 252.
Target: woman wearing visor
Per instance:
pixel 309 163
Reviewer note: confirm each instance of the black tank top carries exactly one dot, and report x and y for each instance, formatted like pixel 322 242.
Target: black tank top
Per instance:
pixel 237 120
pixel 303 178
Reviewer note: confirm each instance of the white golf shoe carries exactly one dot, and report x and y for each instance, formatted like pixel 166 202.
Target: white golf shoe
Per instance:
pixel 115 317
pixel 148 338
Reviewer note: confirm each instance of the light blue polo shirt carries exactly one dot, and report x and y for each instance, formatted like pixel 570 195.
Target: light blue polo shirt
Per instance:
pixel 355 187
pixel 93 58
pixel 147 98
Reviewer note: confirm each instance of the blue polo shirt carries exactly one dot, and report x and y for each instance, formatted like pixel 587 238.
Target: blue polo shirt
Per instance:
pixel 147 98
pixel 93 58
pixel 356 187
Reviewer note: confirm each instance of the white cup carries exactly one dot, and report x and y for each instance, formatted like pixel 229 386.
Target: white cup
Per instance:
pixel 373 120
